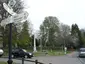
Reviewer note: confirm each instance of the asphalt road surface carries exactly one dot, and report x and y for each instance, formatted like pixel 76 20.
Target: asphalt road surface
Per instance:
pixel 66 59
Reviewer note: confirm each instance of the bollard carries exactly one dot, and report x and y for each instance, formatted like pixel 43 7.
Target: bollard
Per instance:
pixel 36 61
pixel 22 60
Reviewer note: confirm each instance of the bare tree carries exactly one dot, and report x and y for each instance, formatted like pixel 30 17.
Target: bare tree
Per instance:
pixel 18 7
pixel 64 34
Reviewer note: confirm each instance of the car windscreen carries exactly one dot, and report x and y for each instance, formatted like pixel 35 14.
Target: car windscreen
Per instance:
pixel 24 50
pixel 82 49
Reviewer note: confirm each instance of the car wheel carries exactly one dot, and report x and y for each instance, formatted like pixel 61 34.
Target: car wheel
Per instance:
pixel 26 56
pixel 0 55
pixel 29 57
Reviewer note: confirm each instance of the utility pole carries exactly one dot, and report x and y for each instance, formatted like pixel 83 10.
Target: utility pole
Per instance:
pixel 10 44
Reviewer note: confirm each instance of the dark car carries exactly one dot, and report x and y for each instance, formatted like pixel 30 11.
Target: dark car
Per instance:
pixel 18 52
pixel 82 52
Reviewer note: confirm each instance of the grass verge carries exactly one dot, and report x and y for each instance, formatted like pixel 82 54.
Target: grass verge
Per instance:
pixel 50 53
pixel 44 52
pixel 1 62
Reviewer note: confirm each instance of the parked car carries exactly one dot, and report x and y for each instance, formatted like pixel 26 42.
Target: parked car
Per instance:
pixel 18 52
pixel 1 52
pixel 82 52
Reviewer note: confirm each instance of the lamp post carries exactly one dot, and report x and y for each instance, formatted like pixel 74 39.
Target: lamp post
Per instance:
pixel 10 44
pixel 10 41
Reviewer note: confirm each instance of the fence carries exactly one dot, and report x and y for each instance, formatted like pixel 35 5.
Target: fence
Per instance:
pixel 36 61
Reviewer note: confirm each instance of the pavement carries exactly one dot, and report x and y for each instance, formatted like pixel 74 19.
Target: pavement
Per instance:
pixel 72 54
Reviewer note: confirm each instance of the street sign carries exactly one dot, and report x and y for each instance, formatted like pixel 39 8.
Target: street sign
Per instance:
pixel 6 21
pixel 15 18
pixel 11 3
pixel 22 17
pixel 8 9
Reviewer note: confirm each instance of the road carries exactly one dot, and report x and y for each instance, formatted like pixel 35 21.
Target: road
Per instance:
pixel 66 59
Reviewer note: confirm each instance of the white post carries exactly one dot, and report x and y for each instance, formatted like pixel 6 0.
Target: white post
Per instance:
pixel 65 50
pixel 35 50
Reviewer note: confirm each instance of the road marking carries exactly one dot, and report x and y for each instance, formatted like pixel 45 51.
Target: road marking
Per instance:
pixel 82 62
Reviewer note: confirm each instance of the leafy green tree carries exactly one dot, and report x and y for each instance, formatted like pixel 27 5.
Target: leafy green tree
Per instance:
pixel 83 36
pixel 24 37
pixel 3 15
pixel 76 34
pixel 14 36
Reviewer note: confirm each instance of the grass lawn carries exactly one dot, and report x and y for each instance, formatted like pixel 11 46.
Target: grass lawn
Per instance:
pixel 44 53
pixel 1 62
pixel 50 53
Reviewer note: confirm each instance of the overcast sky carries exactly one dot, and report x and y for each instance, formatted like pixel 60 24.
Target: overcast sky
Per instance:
pixel 67 11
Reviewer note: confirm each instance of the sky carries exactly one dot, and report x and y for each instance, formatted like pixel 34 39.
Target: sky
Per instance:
pixel 67 11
